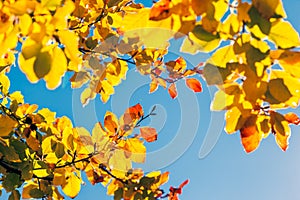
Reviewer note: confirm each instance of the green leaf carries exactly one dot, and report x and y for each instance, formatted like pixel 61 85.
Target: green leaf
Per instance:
pixel 14 195
pixel 201 34
pixel 11 181
pixel 42 64
pixel 118 195
pixel 278 90
pixel 36 193
pixel 256 19
pixel 147 181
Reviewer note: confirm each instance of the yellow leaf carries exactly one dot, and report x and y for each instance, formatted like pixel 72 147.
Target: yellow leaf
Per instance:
pixel 56 194
pixel 220 8
pixel 106 91
pixel 30 49
pixel 137 24
pixel 48 115
pixel 86 95
pixel 51 4
pixel 223 56
pixel 99 137
pixel 7 125
pixel 233 120
pixel 84 140
pixel 292 83
pixel 288 38
pixel 25 22
pixel 289 60
pixel 153 85
pixel 118 161
pixel 282 130
pixel 41 169
pixel 22 6
pixel 70 40
pixel 61 15
pixel 5 83
pixel 17 96
pixel 72 186
pixel 10 40
pixel 57 70
pixel 116 71
pixel 222 101
pixel 136 150
pixel 192 44
pixel 230 27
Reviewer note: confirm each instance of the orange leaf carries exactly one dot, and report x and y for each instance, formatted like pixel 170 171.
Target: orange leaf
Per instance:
pixel 132 114
pixel 292 118
pixel 137 110
pixel 282 141
pixel 149 134
pixel 193 84
pixel 160 10
pixel 172 91
pixel 250 135
pixel 184 183
pixel 153 86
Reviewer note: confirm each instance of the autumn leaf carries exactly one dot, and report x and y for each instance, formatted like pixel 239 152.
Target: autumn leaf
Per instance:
pixel 281 130
pixel 251 136
pixel 149 134
pixel 172 91
pixel 292 118
pixel 72 187
pixel 160 10
pixel 193 84
pixel 7 125
pixel 153 85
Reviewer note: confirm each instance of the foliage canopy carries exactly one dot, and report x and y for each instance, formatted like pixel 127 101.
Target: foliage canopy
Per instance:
pixel 254 65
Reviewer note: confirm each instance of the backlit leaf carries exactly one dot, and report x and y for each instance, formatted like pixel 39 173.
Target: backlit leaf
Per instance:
pixel 72 187
pixel 292 118
pixel 111 123
pixel 172 91
pixel 251 137
pixel 7 125
pixel 193 84
pixel 281 129
pixel 284 39
pixel 149 134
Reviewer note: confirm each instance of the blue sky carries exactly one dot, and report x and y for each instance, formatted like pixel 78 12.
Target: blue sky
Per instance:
pixel 227 172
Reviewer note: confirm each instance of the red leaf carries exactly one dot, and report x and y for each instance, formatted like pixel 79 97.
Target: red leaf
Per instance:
pixel 172 90
pixel 184 183
pixel 292 118
pixel 193 84
pixel 148 133
pixel 250 135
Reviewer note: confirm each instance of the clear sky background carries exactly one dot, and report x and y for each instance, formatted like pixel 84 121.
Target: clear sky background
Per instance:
pixel 227 172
